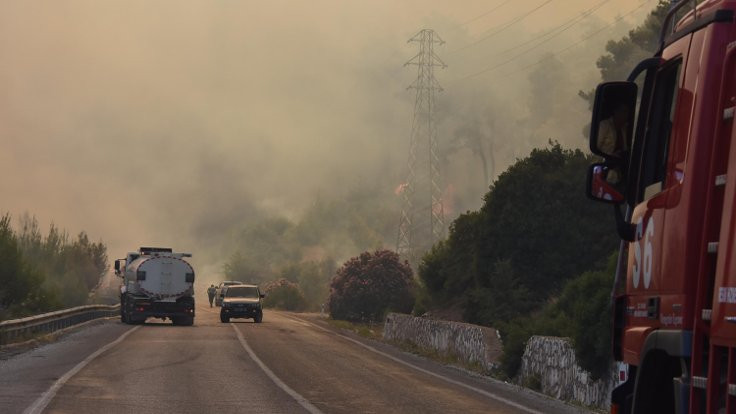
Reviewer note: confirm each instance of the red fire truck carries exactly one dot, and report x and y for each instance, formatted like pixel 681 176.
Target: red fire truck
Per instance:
pixel 665 138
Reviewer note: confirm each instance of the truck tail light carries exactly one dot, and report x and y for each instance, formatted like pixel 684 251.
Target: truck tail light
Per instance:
pixel 190 278
pixel 141 275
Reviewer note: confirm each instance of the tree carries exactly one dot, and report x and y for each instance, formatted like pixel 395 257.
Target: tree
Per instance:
pixel 535 231
pixel 22 289
pixel 623 55
pixel 14 284
pixel 368 286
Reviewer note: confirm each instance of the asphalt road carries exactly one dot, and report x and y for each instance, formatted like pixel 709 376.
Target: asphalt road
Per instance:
pixel 288 364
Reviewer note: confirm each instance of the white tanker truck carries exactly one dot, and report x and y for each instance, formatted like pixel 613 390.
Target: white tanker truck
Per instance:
pixel 157 283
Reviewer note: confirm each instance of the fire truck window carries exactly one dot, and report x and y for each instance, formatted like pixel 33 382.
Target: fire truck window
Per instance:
pixel 657 140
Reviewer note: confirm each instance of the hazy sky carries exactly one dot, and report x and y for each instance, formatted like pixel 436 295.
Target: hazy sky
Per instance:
pixel 165 122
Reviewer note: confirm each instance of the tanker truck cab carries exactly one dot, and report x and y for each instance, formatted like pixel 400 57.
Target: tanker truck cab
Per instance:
pixel 666 171
pixel 156 283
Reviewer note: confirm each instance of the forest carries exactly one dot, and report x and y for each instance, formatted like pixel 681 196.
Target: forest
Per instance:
pixel 40 273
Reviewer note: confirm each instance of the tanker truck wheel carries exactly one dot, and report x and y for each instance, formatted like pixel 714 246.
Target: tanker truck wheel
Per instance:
pixel 258 318
pixel 224 319
pixel 123 313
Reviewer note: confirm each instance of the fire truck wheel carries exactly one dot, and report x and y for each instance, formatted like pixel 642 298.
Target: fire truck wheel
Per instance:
pixel 655 391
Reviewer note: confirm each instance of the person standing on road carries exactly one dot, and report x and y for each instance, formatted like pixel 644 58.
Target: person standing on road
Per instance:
pixel 211 293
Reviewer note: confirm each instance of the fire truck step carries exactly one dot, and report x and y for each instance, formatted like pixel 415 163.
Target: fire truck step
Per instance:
pixel 720 180
pixel 706 314
pixel 699 382
pixel 713 247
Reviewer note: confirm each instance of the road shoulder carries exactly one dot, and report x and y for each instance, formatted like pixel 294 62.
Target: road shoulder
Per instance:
pixel 533 400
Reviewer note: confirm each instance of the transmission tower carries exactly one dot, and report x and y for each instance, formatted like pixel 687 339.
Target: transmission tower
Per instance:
pixel 422 217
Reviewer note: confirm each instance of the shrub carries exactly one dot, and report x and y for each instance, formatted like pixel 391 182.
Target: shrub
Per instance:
pixel 283 294
pixel 366 287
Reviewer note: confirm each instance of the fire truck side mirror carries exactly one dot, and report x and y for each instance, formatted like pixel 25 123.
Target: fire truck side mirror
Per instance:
pixel 612 126
pixel 604 183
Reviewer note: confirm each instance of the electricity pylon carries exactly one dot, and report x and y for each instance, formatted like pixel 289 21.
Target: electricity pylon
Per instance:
pixel 422 220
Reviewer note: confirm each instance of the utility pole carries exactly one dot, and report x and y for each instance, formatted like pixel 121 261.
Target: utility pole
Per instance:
pixel 422 220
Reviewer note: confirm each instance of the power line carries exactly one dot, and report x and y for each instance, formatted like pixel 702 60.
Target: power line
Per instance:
pixel 582 15
pixel 503 27
pixel 484 14
pixel 618 19
pixel 566 27
pixel 489 69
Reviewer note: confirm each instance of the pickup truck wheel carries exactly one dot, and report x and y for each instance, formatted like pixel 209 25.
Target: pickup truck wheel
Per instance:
pixel 183 320
pixel 258 318
pixel 224 319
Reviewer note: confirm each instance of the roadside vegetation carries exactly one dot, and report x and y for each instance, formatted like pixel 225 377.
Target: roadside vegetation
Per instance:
pixel 40 273
pixel 369 286
pixel 283 294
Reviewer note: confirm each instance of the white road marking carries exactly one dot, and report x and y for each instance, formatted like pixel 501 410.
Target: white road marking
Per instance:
pixel 40 404
pixel 400 361
pixel 295 395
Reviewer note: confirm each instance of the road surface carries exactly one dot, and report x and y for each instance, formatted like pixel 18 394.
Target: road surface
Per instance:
pixel 290 363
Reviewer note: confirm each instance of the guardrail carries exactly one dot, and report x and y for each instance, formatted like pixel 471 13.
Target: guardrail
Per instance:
pixel 17 330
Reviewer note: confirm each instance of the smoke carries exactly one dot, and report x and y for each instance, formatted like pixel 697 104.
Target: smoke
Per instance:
pixel 177 122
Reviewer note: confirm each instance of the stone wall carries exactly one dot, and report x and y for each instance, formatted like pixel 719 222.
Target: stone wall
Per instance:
pixel 551 360
pixel 468 343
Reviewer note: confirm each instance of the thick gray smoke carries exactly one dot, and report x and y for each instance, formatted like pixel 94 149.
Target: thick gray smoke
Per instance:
pixel 176 122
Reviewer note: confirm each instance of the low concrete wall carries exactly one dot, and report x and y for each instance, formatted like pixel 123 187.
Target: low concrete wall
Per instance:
pixel 552 361
pixel 549 360
pixel 468 343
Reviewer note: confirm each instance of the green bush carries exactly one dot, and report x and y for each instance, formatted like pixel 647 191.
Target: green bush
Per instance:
pixel 283 294
pixel 586 304
pixel 582 313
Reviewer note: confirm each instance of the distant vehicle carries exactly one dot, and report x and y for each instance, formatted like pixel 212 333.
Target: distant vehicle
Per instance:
pixel 221 288
pixel 157 283
pixel 242 301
